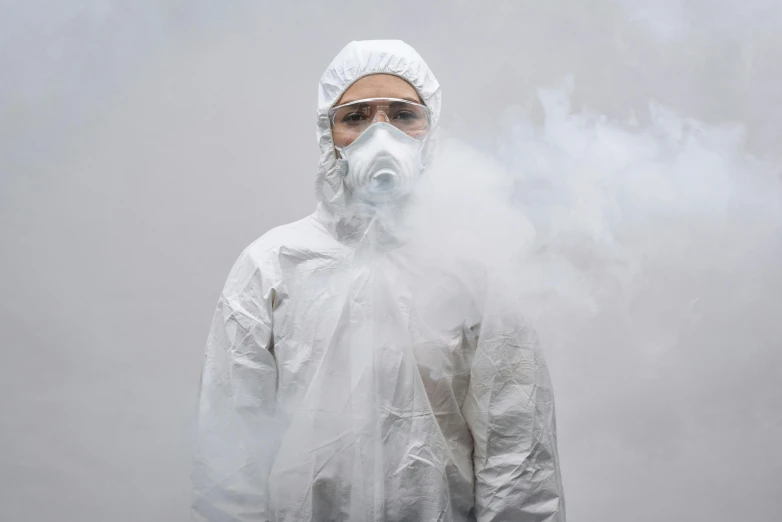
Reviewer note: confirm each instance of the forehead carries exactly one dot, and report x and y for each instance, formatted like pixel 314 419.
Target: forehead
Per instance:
pixel 379 86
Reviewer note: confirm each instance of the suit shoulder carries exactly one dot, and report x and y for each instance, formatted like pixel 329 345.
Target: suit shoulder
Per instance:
pixel 303 233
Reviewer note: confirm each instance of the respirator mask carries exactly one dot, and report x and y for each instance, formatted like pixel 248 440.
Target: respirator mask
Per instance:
pixel 385 160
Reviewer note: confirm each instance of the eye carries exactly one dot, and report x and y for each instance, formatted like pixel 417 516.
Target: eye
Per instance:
pixel 353 118
pixel 406 116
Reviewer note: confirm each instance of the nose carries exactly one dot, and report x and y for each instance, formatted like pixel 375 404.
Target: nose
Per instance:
pixel 380 115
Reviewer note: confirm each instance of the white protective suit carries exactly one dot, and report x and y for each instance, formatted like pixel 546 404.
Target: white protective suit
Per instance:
pixel 348 379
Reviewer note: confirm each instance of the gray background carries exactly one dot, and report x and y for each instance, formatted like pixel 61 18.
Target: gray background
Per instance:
pixel 144 144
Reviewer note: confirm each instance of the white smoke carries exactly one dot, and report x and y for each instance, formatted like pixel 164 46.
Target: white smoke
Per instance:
pixel 648 258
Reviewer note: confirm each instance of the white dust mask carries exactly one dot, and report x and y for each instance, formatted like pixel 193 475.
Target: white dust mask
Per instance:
pixel 383 163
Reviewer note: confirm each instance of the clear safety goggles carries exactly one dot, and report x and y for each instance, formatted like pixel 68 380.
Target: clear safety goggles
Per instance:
pixel 351 119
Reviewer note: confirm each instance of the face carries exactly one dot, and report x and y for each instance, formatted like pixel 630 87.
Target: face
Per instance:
pixel 374 86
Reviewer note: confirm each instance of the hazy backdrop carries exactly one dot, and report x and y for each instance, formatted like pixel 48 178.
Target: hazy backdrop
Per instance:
pixel 144 144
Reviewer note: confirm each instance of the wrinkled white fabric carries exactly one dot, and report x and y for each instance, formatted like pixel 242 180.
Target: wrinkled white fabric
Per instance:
pixel 348 378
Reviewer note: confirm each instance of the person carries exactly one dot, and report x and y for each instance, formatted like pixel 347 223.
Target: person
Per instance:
pixel 346 380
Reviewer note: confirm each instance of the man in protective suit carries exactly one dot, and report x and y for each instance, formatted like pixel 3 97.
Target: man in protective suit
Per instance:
pixel 348 379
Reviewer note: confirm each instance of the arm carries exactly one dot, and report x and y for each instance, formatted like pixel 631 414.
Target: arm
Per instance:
pixel 510 411
pixel 234 426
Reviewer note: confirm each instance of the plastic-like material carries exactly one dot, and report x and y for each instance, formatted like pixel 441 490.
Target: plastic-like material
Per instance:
pixel 351 119
pixel 348 379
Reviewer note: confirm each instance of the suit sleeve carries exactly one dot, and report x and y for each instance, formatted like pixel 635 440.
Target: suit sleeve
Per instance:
pixel 510 411
pixel 234 432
